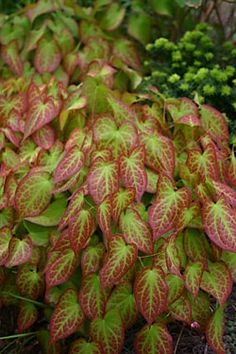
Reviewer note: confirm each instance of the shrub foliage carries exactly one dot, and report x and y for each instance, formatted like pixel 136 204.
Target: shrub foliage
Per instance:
pixel 114 205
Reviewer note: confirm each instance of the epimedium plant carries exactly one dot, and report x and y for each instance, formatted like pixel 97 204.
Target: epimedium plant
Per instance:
pixel 116 207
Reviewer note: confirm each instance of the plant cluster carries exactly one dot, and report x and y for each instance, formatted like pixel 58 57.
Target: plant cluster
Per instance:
pixel 114 205
pixel 196 66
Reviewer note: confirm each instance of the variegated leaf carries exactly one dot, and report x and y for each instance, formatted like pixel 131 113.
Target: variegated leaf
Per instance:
pixel 72 163
pixel 215 331
pixel 80 229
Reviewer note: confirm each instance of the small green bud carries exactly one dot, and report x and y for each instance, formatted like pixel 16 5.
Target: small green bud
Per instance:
pixel 208 90
pixel 184 86
pixel 209 56
pixel 174 78
pixel 149 47
pixel 225 90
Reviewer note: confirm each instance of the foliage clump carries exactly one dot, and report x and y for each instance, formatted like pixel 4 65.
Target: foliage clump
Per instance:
pixel 114 205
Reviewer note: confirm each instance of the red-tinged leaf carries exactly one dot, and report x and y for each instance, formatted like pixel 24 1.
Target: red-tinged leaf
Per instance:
pixel 5 238
pixel 201 310
pixel 2 140
pixel 193 276
pixel 172 256
pixel 154 339
pixel 163 213
pixel 75 205
pixel 181 309
pixel 204 164
pixel 103 179
pixel 120 259
pixel 71 164
pixel 189 119
pixel 214 123
pixel 232 169
pixel 160 153
pixel 44 137
pixel 20 251
pixel 151 291
pixel 226 192
pixel 120 201
pixel 120 139
pixel 215 331
pixel 230 259
pixel 133 173
pixel 40 113
pixel 92 257
pixel 27 316
pixel 104 154
pixel 47 57
pixel 33 193
pixel 194 245
pixel 136 231
pixel 61 264
pixel 67 316
pixel 10 189
pixel 82 347
pixel 29 281
pixel 104 215
pixel 12 136
pixel 176 287
pixel 10 55
pixel 219 221
pixel 122 299
pixel 217 281
pixel 121 111
pixel 126 51
pixel 187 215
pixel 108 332
pixel 159 259
pixel 80 228
pixel 91 297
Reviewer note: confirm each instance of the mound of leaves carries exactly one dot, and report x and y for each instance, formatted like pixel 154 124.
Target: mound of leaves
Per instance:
pixel 115 206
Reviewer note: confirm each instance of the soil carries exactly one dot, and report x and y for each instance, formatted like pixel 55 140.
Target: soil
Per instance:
pixel 186 340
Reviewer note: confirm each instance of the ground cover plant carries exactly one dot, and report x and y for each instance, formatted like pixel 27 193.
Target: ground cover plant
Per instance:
pixel 116 207
pixel 198 66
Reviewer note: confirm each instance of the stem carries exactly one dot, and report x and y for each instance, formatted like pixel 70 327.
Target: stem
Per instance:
pixel 177 343
pixel 150 255
pixel 18 335
pixel 37 303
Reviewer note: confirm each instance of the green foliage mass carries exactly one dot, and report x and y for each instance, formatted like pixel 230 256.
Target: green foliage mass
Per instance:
pixel 197 66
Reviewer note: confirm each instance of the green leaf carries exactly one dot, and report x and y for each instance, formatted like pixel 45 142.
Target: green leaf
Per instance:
pixel 113 17
pixel 215 331
pixel 82 347
pixel 11 57
pixel 29 281
pixel 139 27
pixel 5 238
pixel 20 251
pixel 181 309
pixel 176 287
pixel 47 57
pixel 28 314
pixel 108 332
pixel 193 275
pixel 154 339
pixel 67 316
pixel 33 193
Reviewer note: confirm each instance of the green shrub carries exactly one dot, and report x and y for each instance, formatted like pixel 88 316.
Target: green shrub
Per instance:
pixel 197 67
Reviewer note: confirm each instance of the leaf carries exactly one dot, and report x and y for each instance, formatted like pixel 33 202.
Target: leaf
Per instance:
pixel 61 262
pixel 136 231
pixel 204 164
pixel 29 281
pixel 181 309
pixel 122 299
pixel 80 229
pixel 113 17
pixel 33 193
pixel 126 51
pixel 47 56
pixel 91 297
pixel 160 153
pixel 230 259
pixel 176 287
pixel 154 339
pixel 104 215
pixel 217 281
pixel 214 123
pixel 219 221
pixel 232 169
pixel 108 332
pixel 10 55
pixel 44 137
pixel 5 238
pixel 20 251
pixel 92 257
pixel 193 275
pixel 120 259
pixel 194 245
pixel 40 113
pixel 201 311
pixel 150 291
pixel 75 205
pixel 103 179
pixel 83 347
pixel 139 27
pixel 67 316
pixel 215 331
pixel 120 201
pixel 72 162
pixel 169 203
pixel 226 192
pixel 122 111
pixel 172 256
pixel 120 139
pixel 133 174
pixel 27 316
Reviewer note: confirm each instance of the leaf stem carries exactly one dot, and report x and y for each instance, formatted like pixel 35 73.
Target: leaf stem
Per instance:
pixel 37 303
pixel 19 335
pixel 179 337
